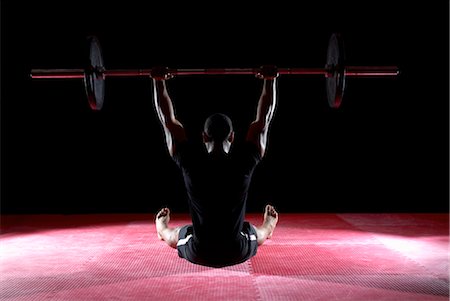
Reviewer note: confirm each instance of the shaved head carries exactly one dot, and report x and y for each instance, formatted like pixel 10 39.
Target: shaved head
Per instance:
pixel 218 127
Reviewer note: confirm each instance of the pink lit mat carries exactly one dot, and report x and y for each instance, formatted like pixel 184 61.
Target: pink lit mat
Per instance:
pixel 310 257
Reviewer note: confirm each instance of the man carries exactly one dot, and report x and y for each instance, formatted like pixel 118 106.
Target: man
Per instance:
pixel 217 175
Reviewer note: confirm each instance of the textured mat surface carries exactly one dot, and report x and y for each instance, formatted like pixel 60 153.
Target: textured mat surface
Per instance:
pixel 310 257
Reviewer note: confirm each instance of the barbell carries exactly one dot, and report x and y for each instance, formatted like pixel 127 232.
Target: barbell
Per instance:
pixel 335 72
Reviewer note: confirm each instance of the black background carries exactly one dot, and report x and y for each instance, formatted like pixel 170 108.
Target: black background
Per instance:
pixel 384 150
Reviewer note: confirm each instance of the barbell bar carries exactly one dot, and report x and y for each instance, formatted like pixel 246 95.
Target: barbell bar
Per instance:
pixel 335 72
pixel 356 71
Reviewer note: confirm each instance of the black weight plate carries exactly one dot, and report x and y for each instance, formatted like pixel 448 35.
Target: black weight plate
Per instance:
pixel 335 81
pixel 93 78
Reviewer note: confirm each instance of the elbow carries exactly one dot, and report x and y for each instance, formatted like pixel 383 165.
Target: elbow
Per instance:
pixel 172 124
pixel 260 125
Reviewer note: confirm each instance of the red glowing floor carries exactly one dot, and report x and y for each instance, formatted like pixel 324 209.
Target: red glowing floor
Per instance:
pixel 310 257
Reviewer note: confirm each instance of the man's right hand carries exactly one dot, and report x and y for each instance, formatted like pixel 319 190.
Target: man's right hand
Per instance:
pixel 161 73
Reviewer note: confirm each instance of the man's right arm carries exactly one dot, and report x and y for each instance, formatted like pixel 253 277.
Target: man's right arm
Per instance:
pixel 173 129
pixel 258 130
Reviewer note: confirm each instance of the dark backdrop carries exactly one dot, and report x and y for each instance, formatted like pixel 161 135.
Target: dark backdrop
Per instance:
pixel 385 149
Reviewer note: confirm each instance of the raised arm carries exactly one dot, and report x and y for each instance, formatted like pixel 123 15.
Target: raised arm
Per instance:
pixel 173 129
pixel 258 130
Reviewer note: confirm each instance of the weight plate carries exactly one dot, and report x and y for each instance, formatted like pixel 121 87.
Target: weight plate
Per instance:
pixel 93 76
pixel 335 80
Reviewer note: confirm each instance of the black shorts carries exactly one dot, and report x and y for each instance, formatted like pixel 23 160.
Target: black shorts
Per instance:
pixel 218 256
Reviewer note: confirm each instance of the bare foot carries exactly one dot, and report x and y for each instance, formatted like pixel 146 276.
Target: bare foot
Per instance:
pixel 270 219
pixel 162 221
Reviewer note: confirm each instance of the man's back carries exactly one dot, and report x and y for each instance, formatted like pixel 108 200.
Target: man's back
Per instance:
pixel 217 187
